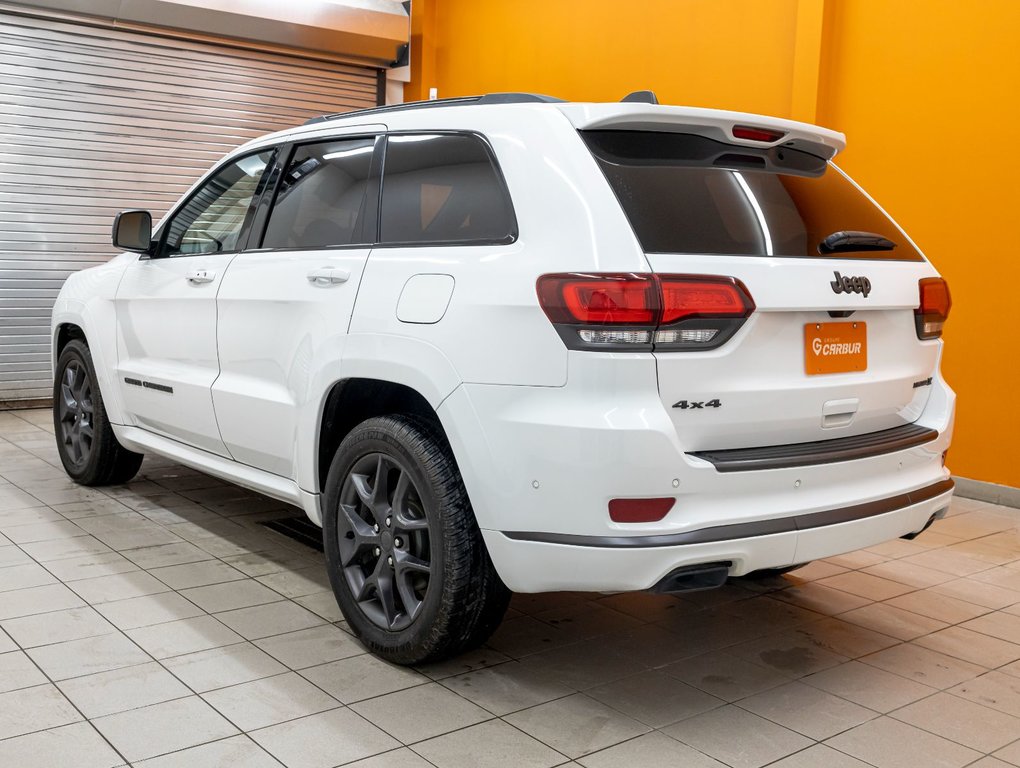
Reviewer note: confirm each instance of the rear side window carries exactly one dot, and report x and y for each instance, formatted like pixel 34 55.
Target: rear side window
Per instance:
pixel 443 188
pixel 689 194
pixel 322 198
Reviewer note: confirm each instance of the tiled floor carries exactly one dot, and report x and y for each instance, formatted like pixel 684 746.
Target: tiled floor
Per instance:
pixel 158 624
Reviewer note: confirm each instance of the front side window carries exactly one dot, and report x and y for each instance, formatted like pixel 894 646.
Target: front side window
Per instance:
pixel 213 219
pixel 443 188
pixel 323 197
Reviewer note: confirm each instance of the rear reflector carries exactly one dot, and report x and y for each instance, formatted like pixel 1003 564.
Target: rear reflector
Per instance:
pixel 639 510
pixel 633 312
pixel 756 134
pixel 933 309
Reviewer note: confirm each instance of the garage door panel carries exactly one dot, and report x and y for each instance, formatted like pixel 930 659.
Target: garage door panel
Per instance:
pixel 94 120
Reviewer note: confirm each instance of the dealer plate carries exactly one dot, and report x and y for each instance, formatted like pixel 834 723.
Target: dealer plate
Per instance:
pixel 835 347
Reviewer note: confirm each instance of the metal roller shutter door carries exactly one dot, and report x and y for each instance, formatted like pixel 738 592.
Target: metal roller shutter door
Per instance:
pixel 94 120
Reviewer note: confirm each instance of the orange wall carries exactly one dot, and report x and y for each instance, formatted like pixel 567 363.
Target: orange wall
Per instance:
pixel 926 91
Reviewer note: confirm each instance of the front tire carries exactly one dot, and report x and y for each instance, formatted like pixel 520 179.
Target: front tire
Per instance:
pixel 406 559
pixel 86 444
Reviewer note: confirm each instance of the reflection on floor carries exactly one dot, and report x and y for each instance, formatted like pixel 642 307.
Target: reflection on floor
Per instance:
pixel 160 624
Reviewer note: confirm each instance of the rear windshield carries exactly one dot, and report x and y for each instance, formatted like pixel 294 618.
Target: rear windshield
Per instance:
pixel 690 194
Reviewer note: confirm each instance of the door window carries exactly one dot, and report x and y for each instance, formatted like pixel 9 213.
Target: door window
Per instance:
pixel 322 197
pixel 443 188
pixel 214 217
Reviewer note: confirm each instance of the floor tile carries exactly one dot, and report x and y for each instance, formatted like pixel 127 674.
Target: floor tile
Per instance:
pixel 576 725
pixel 175 638
pixel 234 594
pixel 1005 626
pixel 27 602
pixel 760 741
pixel 57 627
pixel 994 689
pixel 90 566
pixel 59 549
pixel 395 758
pixel 272 619
pixel 324 740
pixel 923 666
pixel 361 677
pixel 962 721
pixel 311 647
pixel 807 710
pixel 24 576
pixel 235 752
pixel 78 745
pixel 147 610
pixel 161 728
pixel 507 688
pixel 888 743
pixel 726 676
pixel 788 653
pixel 869 686
pixel 75 658
pixel 971 646
pixel 654 699
pixel 17 670
pixel 936 606
pixel 222 667
pixel 820 598
pixel 892 621
pixel 306 581
pixel 119 690
pixel 34 709
pixel 42 531
pixel 819 756
pixel 866 585
pixel 651 749
pixel 270 700
pixel 119 586
pixel 400 713
pixel 196 574
pixel 492 744
pixel 978 592
pixel 164 555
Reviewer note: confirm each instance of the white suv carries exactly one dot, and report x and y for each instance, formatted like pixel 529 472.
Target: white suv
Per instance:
pixel 512 343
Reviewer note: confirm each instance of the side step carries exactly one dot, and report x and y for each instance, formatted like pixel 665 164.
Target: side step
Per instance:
pixel 819 451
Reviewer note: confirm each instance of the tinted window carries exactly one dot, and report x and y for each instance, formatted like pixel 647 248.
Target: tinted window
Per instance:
pixel 212 220
pixel 443 189
pixel 690 194
pixel 322 197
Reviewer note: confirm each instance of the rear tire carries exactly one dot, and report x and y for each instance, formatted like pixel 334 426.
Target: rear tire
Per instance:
pixel 86 444
pixel 406 560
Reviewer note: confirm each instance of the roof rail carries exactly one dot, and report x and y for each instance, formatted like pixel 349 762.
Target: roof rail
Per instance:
pixel 489 98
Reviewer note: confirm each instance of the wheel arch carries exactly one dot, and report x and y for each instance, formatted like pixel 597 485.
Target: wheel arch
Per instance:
pixel 351 401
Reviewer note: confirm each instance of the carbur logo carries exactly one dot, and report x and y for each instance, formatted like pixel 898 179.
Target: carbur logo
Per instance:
pixel 851 285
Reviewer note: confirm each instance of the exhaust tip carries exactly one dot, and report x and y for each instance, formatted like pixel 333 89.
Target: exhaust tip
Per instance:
pixel 693 578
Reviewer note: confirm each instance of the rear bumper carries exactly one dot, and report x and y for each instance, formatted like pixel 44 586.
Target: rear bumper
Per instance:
pixel 541 464
pixel 620 566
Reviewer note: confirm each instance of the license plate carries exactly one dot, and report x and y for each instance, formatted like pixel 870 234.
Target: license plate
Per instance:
pixel 835 347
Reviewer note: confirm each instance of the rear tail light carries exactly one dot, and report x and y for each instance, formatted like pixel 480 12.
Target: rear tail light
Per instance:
pixel 933 309
pixel 751 133
pixel 641 312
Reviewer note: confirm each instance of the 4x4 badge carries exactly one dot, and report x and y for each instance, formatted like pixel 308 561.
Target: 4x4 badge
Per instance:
pixel 851 285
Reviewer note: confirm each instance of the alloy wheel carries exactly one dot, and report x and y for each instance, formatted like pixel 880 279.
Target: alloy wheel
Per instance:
pixel 75 409
pixel 383 537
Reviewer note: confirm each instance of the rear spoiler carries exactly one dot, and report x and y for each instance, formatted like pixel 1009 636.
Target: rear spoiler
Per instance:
pixel 711 123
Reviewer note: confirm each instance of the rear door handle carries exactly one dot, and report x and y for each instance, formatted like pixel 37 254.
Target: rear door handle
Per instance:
pixel 201 276
pixel 328 276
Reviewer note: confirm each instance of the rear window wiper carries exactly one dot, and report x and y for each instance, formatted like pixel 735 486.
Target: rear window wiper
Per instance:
pixel 851 240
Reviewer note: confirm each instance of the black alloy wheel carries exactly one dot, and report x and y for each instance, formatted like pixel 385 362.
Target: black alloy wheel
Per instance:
pixel 86 444
pixel 75 412
pixel 383 538
pixel 406 559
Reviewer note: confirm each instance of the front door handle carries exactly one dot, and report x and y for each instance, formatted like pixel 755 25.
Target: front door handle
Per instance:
pixel 201 276
pixel 328 276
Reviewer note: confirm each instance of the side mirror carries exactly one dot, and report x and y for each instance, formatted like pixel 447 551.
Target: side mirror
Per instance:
pixel 132 231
